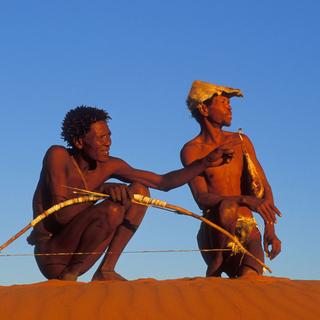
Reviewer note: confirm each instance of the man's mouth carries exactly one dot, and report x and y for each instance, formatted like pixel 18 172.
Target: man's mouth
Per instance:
pixel 105 152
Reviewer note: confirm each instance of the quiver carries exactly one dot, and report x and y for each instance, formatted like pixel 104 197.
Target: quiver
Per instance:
pixel 254 184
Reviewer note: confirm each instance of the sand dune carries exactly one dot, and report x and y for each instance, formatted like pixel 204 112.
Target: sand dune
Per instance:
pixel 194 298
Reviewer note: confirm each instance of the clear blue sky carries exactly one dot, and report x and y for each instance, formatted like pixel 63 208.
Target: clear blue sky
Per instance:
pixel 137 59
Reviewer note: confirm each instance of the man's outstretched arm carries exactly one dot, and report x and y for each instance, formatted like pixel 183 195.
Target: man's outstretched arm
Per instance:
pixel 172 179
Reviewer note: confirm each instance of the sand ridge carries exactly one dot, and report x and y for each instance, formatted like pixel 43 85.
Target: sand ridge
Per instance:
pixel 188 298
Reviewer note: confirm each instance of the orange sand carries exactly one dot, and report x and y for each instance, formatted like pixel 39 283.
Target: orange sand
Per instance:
pixel 194 298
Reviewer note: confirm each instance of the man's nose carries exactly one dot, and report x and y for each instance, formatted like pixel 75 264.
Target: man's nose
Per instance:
pixel 107 141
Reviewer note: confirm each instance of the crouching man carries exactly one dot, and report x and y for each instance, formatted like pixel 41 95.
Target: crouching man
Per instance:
pixel 87 164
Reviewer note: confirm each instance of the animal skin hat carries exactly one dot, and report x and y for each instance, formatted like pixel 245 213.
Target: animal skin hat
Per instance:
pixel 202 91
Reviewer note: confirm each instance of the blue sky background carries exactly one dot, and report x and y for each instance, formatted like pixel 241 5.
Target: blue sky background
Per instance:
pixel 137 59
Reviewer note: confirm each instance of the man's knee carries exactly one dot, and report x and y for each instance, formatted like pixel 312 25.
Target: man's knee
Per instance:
pixel 255 235
pixel 115 215
pixel 139 188
pixel 110 215
pixel 228 212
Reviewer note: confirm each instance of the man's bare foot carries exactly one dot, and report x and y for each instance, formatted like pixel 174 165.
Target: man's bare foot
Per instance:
pixel 213 268
pixel 71 272
pixel 107 276
pixel 69 276
pixel 249 273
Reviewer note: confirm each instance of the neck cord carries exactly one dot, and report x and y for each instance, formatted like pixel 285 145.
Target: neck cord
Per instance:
pixel 84 182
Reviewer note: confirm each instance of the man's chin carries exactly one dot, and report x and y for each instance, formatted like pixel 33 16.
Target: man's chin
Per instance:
pixel 103 159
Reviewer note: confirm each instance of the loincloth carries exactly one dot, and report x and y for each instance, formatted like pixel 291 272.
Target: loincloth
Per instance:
pixel 244 227
pixel 248 234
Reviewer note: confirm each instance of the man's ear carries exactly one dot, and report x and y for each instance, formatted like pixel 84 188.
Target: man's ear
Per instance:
pixel 203 109
pixel 78 143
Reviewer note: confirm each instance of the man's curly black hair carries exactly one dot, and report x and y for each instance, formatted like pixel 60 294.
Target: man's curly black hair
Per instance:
pixel 77 122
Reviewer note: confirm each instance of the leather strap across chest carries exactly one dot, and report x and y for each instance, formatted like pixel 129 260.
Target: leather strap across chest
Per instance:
pixel 83 179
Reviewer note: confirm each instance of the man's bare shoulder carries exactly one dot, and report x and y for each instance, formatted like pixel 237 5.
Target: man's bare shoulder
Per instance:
pixel 236 136
pixel 246 138
pixel 232 137
pixel 113 161
pixel 57 153
pixel 57 150
pixel 194 143
pixel 192 150
pixel 112 165
pixel 231 134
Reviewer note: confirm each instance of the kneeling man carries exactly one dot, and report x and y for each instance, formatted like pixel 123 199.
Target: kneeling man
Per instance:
pixel 228 194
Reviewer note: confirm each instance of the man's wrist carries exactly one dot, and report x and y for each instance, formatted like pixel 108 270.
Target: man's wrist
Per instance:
pixel 204 163
pixel 243 201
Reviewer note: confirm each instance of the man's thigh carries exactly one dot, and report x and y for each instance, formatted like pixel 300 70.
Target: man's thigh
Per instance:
pixel 67 239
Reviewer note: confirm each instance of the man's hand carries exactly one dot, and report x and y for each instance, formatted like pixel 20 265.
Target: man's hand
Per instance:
pixel 270 239
pixel 220 155
pixel 265 208
pixel 119 192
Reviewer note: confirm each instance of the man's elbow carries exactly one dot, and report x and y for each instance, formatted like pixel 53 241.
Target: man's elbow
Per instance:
pixel 165 187
pixel 198 200
pixel 204 202
pixel 165 183
pixel 201 205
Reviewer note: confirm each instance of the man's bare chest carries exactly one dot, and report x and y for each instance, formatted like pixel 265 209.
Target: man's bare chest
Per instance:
pixel 89 179
pixel 228 171
pixel 226 179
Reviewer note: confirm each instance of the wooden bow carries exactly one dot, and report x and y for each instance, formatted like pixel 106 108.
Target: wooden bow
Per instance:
pixel 46 213
pixel 147 201
pixel 138 199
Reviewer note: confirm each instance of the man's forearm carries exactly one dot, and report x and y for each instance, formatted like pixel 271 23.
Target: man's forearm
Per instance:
pixel 209 200
pixel 179 177
pixel 268 192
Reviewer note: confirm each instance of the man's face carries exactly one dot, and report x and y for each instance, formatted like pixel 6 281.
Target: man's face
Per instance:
pixel 96 143
pixel 219 111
